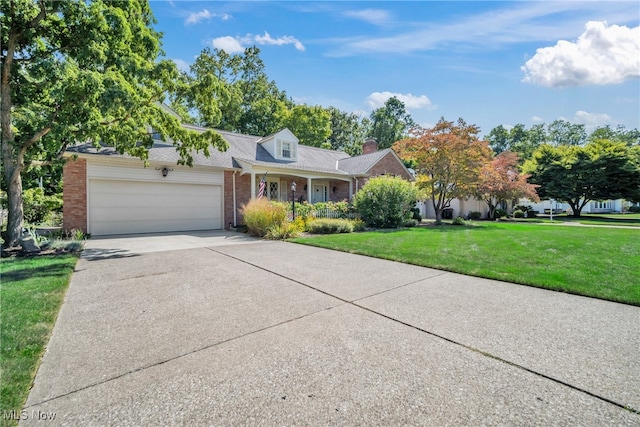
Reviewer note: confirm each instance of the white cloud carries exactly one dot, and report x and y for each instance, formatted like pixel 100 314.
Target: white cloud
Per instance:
pixel 228 44
pixel 204 15
pixel 182 65
pixel 267 39
pixel 372 16
pixel 377 100
pixel 537 119
pixel 520 22
pixel 602 55
pixel 237 44
pixel 592 120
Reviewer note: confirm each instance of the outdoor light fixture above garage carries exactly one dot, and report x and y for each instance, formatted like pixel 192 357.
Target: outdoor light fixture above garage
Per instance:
pixel 165 171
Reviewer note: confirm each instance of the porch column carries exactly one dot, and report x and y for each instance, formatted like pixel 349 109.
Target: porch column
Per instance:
pixel 350 188
pixel 253 185
pixel 309 190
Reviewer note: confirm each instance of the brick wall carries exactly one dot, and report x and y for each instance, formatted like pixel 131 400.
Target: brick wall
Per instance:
pixel 74 195
pixel 243 195
pixel 389 165
pixel 341 193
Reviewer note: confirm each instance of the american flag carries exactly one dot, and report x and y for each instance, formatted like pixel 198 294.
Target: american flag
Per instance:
pixel 263 185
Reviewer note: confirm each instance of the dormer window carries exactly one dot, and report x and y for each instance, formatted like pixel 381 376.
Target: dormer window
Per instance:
pixel 282 145
pixel 286 150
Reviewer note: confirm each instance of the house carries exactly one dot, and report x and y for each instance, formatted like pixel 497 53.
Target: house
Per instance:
pixel 593 207
pixel 108 193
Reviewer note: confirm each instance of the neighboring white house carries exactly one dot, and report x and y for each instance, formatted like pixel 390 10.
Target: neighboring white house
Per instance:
pixel 464 207
pixel 604 206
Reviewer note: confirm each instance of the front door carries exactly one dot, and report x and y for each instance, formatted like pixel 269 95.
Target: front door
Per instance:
pixel 320 193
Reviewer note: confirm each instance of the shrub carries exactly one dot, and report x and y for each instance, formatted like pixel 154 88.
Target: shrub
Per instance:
pixel 532 213
pixel 634 209
pixel 261 215
pixel 385 202
pixel 415 214
pixel 500 213
pixel 283 230
pixel 38 207
pixel 518 214
pixel 475 215
pixel 459 221
pixel 330 226
pixel 358 225
pixel 303 210
pixel 410 223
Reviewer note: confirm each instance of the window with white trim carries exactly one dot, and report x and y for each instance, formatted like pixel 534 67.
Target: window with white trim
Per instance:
pixel 285 149
pixel 602 205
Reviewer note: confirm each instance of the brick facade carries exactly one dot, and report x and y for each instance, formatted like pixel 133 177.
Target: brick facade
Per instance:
pixel 74 197
pixel 388 165
pixel 243 195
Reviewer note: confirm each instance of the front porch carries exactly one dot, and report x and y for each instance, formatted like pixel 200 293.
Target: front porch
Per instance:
pixel 241 187
pixel 311 189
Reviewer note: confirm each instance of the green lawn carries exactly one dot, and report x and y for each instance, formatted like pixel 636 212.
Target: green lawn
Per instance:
pixel 632 220
pixel 594 261
pixel 31 292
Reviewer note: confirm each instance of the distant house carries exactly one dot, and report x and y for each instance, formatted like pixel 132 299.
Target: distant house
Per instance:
pixel 603 206
pixel 462 207
pixel 108 193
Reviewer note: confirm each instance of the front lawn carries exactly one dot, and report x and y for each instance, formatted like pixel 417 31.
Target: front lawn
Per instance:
pixel 593 261
pixel 629 220
pixel 31 292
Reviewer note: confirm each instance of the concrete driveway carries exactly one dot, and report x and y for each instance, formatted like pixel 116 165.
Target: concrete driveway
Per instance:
pixel 274 333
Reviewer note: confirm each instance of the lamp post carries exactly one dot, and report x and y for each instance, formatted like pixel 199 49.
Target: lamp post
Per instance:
pixel 293 199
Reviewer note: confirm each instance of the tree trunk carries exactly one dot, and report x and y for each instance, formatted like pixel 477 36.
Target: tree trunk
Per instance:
pixel 576 207
pixel 438 210
pixel 11 164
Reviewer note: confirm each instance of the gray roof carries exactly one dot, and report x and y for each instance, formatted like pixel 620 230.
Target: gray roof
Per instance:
pixel 361 164
pixel 246 148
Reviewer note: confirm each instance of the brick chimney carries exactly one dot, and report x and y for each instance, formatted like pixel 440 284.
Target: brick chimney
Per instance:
pixel 370 146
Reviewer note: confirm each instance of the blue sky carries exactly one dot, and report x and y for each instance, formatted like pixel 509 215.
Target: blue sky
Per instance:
pixel 491 63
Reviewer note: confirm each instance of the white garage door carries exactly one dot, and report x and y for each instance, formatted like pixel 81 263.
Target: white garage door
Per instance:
pixel 124 207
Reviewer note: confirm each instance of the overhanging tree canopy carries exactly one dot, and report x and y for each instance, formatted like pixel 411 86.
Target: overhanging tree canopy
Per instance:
pixel 82 71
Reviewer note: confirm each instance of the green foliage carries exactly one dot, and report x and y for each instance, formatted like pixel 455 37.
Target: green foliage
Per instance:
pixel 385 202
pixel 283 230
pixel 634 209
pixel 330 226
pixel 475 215
pixel 390 123
pixel 578 174
pixel 348 131
pixel 37 206
pixel 415 214
pixel 261 216
pixel 458 221
pixel 358 225
pixel 310 124
pixel 342 209
pixel 408 223
pixel 89 71
pixel 518 214
pixel 500 213
pixel 32 291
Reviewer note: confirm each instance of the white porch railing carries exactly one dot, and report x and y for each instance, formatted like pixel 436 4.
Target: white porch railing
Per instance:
pixel 326 213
